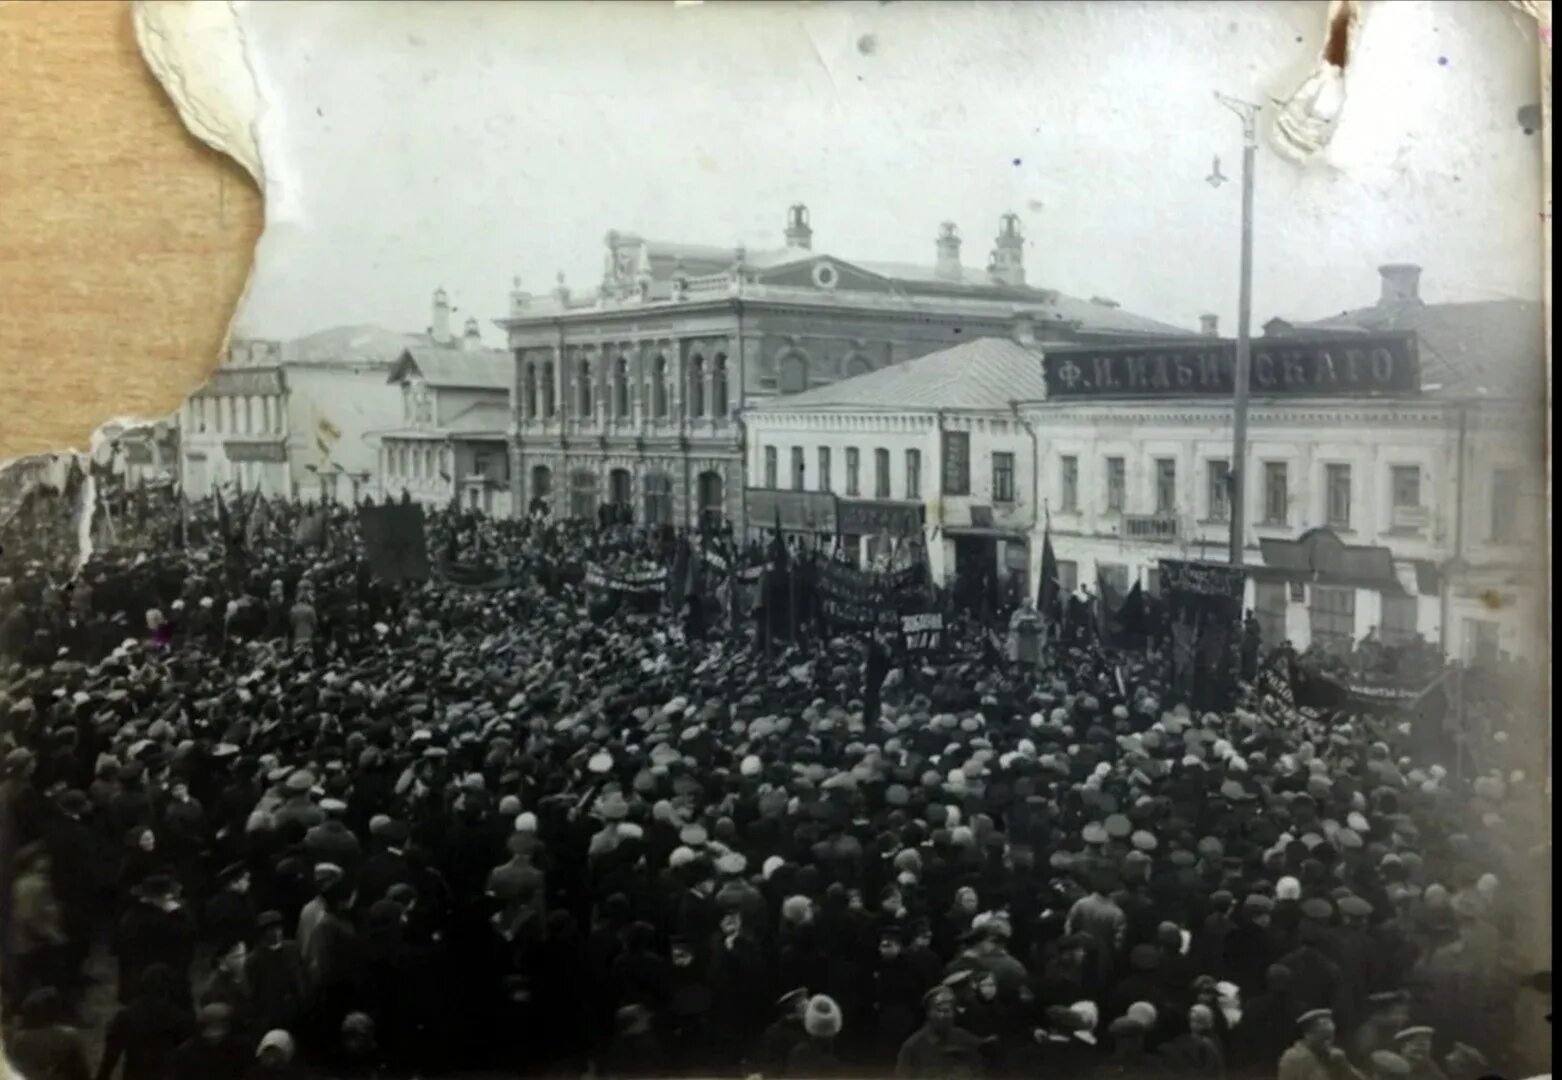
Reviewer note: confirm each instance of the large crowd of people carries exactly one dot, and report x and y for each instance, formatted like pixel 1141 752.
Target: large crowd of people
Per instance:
pixel 333 827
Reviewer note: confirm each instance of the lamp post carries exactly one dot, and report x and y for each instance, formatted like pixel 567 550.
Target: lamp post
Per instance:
pixel 1248 113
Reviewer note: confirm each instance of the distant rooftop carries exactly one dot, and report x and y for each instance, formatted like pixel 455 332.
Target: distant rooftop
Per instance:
pixel 640 272
pixel 1475 348
pixel 982 375
pixel 456 367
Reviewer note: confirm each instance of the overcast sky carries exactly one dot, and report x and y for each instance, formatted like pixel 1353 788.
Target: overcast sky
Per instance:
pixel 413 145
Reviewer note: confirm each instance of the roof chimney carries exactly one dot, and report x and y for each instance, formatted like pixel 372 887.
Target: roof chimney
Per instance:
pixel 519 297
pixel 1401 284
pixel 561 290
pixel 472 339
pixel 799 234
pixel 439 330
pixel 946 266
pixel 1007 265
pixel 1209 325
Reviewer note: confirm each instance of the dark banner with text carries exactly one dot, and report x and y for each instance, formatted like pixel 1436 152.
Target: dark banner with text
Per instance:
pixel 1302 366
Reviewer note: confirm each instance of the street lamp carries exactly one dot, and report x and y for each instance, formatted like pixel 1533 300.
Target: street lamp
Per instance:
pixel 1248 114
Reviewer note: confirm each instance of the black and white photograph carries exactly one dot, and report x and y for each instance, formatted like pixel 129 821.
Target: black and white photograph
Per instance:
pixel 783 540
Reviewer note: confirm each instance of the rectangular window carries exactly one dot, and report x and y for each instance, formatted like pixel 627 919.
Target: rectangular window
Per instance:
pixel 1068 484
pixel 881 474
pixel 1219 477
pixel 1003 477
pixel 1116 484
pixel 1165 485
pixel 1504 505
pixel 1336 486
pixel 772 468
pixel 853 469
pixel 957 463
pixel 1276 496
pixel 1333 617
pixel 799 469
pixel 1399 619
pixel 1068 575
pixel 1407 486
pixel 824 468
pixel 913 474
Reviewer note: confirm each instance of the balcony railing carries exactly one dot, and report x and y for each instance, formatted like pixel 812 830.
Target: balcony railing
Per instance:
pixel 1161 528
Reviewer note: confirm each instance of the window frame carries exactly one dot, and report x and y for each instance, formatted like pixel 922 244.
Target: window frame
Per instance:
pixel 1068 483
pixel 1116 484
pixel 1333 472
pixel 1282 470
pixel 1003 480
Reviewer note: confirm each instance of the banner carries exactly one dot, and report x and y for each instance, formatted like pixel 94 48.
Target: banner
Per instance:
pixel 394 541
pixel 461 575
pixel 858 599
pixel 633 581
pixel 1202 579
pixel 922 633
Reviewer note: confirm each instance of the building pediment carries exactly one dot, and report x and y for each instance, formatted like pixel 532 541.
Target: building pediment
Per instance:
pixel 825 273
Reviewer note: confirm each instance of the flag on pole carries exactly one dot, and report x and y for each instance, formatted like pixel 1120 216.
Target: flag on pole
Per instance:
pixel 1049 592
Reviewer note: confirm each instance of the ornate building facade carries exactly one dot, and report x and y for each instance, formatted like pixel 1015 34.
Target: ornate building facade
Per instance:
pixel 635 394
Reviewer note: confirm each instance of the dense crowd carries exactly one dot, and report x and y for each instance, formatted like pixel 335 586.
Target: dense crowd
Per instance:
pixel 332 827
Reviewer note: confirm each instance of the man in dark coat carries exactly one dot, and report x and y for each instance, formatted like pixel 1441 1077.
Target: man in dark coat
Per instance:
pixel 155 928
pixel 215 1049
pixel 785 1033
pixel 275 976
pixel 939 1050
pixel 145 1033
pixel 230 914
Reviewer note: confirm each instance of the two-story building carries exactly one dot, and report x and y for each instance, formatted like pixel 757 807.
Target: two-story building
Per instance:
pixel 1391 480
pixel 296 417
pixel 453 444
pixel 934 448
pixel 634 393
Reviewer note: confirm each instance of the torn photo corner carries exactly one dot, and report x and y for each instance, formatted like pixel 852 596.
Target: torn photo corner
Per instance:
pixel 739 500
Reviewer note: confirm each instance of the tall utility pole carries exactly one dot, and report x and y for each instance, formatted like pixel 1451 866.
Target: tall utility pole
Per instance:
pixel 1248 113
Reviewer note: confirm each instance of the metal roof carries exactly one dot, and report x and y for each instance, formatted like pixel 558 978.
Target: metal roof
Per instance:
pixel 456 367
pixel 982 375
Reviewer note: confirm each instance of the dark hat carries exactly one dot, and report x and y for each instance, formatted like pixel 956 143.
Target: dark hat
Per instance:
pixel 231 873
pixel 1421 1031
pixel 1355 907
pixel 1125 1026
pixel 267 919
pixel 1317 909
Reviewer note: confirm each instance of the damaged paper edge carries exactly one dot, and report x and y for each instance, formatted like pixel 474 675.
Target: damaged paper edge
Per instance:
pixel 198 53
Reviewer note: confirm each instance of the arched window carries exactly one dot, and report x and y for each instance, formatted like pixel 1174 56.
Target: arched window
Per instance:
pixel 658 499
pixel 547 389
pixel 794 373
pixel 621 389
pixel 529 393
pixel 583 389
pixel 718 387
pixel 619 491
pixel 659 387
pixel 583 494
pixel 697 385
pixel 858 364
pixel 712 500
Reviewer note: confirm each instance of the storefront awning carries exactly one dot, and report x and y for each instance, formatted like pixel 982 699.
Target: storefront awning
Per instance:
pixel 1320 557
